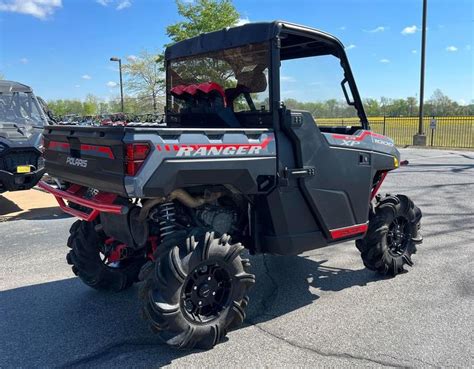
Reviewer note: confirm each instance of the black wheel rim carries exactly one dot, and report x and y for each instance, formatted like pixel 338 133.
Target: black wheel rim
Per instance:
pixel 206 292
pixel 398 236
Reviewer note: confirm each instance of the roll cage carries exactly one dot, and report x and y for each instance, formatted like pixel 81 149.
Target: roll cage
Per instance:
pixel 286 41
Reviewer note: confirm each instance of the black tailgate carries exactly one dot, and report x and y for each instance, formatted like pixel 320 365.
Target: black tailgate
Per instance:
pixel 88 156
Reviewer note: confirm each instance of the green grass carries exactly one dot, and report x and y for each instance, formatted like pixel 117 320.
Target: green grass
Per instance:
pixel 456 132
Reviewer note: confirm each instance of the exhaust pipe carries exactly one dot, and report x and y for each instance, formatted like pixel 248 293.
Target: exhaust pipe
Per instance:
pixel 182 196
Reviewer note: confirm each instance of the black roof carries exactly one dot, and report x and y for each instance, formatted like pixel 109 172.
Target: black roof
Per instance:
pixel 250 33
pixel 10 86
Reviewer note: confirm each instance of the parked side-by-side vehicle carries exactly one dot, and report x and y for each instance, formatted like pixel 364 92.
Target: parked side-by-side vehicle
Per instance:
pixel 22 120
pixel 232 168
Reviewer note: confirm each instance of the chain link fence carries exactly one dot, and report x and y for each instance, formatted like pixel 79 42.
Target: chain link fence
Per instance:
pixel 455 132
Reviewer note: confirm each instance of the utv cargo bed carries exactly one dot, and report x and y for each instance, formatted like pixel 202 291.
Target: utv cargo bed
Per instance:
pixel 114 159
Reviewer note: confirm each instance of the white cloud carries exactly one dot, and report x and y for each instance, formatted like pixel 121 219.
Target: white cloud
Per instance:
pixel 452 49
pixel 342 28
pixel 112 84
pixel 132 58
pixel 119 4
pixel 24 61
pixel 124 4
pixel 77 86
pixel 462 102
pixel 287 79
pixel 41 9
pixel 468 47
pixel 414 51
pixel 86 76
pixel 350 47
pixel 242 21
pixel 410 30
pixel 384 61
pixel 377 29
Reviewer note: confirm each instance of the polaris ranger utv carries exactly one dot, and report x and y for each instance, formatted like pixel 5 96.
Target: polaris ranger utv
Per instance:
pixel 232 169
pixel 21 123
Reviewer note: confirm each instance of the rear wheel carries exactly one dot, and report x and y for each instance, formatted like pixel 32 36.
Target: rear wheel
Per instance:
pixel 196 291
pixel 89 258
pixel 392 235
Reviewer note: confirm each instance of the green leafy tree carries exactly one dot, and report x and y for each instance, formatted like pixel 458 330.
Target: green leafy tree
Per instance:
pixel 146 77
pixel 442 104
pixel 372 107
pixel 412 103
pixel 90 105
pixel 202 16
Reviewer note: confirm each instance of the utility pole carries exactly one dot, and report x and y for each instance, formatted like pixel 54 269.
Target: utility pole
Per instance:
pixel 115 59
pixel 420 138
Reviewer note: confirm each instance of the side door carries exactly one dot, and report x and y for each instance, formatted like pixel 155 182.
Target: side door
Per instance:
pixel 334 181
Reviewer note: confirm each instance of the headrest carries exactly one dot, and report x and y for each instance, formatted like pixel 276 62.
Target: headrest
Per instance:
pixel 255 81
pixel 192 90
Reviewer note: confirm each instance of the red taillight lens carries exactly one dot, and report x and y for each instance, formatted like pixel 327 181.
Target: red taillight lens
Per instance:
pixel 135 155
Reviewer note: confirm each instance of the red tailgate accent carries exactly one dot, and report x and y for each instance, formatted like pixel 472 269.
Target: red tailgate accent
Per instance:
pixel 348 231
pixel 58 146
pixel 359 137
pixel 101 149
pixel 65 146
pixel 102 202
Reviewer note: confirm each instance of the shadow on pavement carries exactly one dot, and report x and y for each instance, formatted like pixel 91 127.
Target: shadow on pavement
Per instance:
pixel 66 324
pixel 287 283
pixel 7 206
pixel 38 214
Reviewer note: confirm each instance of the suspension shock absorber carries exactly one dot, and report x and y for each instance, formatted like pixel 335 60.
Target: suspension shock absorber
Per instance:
pixel 167 214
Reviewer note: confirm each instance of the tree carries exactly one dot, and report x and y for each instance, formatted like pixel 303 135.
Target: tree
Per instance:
pixel 202 16
pixel 412 106
pixel 442 104
pixel 90 105
pixel 145 77
pixel 372 107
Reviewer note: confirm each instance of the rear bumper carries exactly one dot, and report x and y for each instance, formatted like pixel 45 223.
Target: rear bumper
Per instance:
pixel 100 203
pixel 19 181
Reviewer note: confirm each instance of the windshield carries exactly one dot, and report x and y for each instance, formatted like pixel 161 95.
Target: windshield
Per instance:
pixel 20 108
pixel 234 79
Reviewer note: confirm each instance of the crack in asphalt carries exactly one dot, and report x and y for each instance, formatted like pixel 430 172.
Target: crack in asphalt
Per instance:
pixel 419 360
pixel 272 297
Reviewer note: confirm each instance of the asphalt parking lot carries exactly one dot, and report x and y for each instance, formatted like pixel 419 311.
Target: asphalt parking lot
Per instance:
pixel 321 309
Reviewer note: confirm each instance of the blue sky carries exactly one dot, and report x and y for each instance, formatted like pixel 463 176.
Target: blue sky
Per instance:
pixel 62 47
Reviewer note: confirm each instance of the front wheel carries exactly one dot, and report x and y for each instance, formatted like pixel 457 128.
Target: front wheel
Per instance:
pixel 394 231
pixel 196 291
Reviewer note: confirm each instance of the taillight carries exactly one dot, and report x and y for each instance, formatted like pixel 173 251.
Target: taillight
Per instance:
pixel 135 155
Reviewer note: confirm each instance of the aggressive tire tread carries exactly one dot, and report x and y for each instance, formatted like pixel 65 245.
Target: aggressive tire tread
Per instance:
pixel 161 291
pixel 84 258
pixel 373 247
